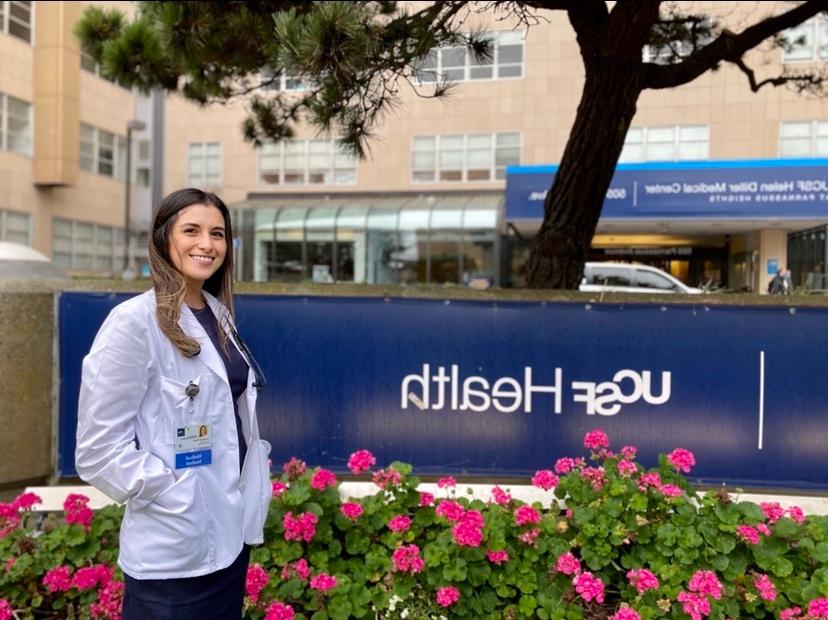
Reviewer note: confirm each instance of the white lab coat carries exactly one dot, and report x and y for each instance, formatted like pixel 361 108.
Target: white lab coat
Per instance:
pixel 178 522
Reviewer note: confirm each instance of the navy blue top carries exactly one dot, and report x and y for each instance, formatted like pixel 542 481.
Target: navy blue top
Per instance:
pixel 236 366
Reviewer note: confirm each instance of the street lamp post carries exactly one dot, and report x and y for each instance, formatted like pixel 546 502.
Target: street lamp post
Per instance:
pixel 132 125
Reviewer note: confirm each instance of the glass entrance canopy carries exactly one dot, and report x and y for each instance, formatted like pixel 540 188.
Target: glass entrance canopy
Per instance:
pixel 392 239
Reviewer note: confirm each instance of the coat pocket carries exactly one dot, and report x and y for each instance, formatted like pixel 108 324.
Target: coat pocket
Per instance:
pixel 169 533
pixel 256 490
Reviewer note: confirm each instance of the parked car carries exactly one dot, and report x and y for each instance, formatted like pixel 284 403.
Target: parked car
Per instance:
pixel 625 278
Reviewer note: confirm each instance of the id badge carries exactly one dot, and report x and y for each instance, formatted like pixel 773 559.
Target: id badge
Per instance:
pixel 193 446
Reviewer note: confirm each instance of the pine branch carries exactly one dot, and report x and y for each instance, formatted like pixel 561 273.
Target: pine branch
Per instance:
pixel 727 47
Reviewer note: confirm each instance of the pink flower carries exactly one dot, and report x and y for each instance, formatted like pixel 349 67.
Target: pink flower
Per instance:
pixel 642 580
pixel 497 557
pixel 426 499
pixel 387 477
pixel 773 511
pixel 444 483
pixel 706 582
pixel 670 490
pixel 257 579
pixel 625 613
pixel 25 501
pixel 110 601
pixel 448 596
pixel 10 563
pixel 681 460
pixel 790 613
pixel 564 465
pixel 352 510
pixel 361 461
pixel 323 479
pixel 526 514
pixel 765 586
pixel 627 469
pixel 294 468
pixel 299 568
pixel 545 479
pixel 629 452
pixel 302 527
pixel 590 588
pixel 6 610
pixel 469 529
pixel 500 497
pixel 9 519
pixel 407 559
pixel 595 476
pixel 568 564
pixel 645 481
pixel 76 510
pixel 818 608
pixel 279 488
pixel 748 533
pixel 695 605
pixel 796 513
pixel 279 611
pixel 596 439
pixel 450 510
pixel 89 577
pixel 530 536
pixel 763 529
pixel 58 579
pixel 323 582
pixel 400 523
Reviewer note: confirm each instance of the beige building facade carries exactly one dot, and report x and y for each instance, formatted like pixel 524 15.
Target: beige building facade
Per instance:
pixel 429 204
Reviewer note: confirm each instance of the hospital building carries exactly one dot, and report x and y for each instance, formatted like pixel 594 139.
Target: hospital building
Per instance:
pixel 714 180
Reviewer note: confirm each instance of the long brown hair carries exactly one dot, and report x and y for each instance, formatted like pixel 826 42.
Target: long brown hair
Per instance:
pixel 169 284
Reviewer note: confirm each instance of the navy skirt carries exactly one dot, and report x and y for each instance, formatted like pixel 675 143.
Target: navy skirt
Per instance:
pixel 215 596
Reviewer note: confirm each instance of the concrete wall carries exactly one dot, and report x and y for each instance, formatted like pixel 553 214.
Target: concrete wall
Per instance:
pixel 26 385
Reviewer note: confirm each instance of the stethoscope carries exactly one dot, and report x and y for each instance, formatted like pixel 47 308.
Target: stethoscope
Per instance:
pixel 259 379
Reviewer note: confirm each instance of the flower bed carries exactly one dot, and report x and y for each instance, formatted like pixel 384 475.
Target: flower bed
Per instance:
pixel 631 543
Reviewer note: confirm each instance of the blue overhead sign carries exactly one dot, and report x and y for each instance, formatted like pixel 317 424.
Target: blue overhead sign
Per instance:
pixel 708 190
pixel 503 389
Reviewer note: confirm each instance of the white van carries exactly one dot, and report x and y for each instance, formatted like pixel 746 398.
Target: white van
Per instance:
pixel 625 278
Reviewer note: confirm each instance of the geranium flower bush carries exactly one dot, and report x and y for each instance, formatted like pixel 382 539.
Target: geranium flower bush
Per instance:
pixel 59 565
pixel 615 540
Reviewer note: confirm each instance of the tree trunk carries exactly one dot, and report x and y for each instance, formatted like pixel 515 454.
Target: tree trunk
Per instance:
pixel 573 205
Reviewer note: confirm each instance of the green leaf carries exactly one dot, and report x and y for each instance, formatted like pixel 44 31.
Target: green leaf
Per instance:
pixel 527 605
pixel 820 552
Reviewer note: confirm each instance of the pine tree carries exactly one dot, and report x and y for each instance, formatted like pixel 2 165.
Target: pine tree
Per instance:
pixel 357 56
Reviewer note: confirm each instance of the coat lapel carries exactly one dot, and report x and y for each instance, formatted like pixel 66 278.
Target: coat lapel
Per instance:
pixel 209 356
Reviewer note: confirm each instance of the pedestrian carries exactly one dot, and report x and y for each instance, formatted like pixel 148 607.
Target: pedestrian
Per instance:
pixel 777 284
pixel 787 282
pixel 167 423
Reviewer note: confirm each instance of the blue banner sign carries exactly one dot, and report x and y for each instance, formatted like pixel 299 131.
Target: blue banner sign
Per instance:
pixel 498 390
pixel 796 188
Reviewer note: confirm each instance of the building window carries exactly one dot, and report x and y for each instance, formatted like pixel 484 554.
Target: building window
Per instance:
pixel 808 41
pixel 15 227
pixel 463 157
pixel 204 164
pixel 102 152
pixel 143 164
pixel 16 19
pixel 15 125
pixel 679 143
pixel 84 246
pixel 270 81
pixel 306 162
pixel 458 64
pixel 803 139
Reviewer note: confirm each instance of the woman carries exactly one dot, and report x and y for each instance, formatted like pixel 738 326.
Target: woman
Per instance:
pixel 163 365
